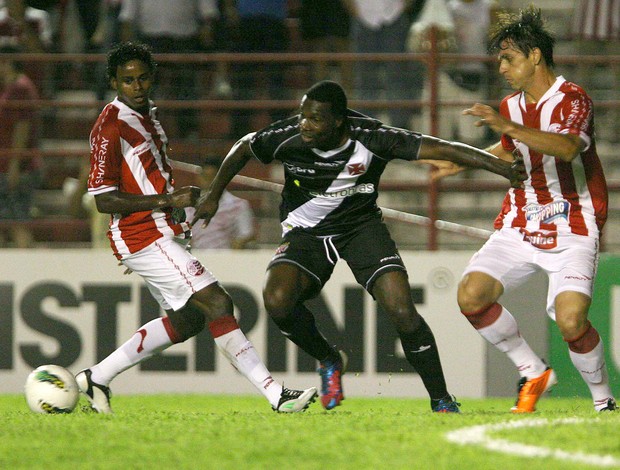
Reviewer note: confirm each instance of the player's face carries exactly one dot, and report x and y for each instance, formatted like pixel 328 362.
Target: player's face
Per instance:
pixel 133 84
pixel 517 68
pixel 319 128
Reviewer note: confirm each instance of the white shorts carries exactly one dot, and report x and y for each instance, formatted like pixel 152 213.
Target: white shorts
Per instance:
pixel 508 257
pixel 171 273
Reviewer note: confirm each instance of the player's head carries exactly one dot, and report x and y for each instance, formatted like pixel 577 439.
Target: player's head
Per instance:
pixel 524 31
pixel 131 68
pixel 322 115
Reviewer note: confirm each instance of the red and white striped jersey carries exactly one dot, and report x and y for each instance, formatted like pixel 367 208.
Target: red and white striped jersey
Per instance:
pixel 557 196
pixel 128 154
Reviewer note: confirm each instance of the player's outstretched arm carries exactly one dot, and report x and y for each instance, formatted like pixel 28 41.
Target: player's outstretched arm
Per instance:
pixel 237 157
pixel 116 202
pixel 433 148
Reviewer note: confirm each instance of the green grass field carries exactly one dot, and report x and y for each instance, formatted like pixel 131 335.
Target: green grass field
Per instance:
pixel 232 432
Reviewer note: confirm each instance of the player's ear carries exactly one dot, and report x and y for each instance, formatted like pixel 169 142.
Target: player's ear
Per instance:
pixel 536 56
pixel 113 82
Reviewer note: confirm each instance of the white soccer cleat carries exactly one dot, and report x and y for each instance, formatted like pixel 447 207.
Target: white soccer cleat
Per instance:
pixel 97 395
pixel 294 401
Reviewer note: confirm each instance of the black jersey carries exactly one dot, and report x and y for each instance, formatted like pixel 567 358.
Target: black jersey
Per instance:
pixel 333 192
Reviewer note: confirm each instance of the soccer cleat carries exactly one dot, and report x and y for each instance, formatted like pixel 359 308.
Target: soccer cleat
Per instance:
pixel 610 406
pixel 98 395
pixel 293 401
pixel 331 381
pixel 447 404
pixel 530 390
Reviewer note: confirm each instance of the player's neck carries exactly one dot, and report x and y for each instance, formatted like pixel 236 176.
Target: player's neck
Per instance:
pixel 540 85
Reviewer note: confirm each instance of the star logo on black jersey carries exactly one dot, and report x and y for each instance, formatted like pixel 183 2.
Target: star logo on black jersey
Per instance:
pixel 356 169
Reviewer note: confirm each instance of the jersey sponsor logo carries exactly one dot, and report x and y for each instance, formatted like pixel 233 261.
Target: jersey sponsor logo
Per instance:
pixel 356 169
pixel 335 164
pixel 366 188
pixel 541 240
pixel 546 213
pixel 195 268
pixel 299 170
pixel 101 149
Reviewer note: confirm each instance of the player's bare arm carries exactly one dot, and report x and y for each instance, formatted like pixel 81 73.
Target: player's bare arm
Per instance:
pixel 234 162
pixel 566 147
pixel 116 202
pixel 467 156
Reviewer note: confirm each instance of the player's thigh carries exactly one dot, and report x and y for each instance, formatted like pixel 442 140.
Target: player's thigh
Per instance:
pixel 301 264
pixel 571 268
pixel 171 273
pixel 370 253
pixel 505 257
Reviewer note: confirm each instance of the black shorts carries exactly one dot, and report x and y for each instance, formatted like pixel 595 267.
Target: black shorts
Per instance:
pixel 369 252
pixel 323 19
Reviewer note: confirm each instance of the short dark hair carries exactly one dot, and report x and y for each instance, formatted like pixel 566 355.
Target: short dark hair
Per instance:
pixel 525 30
pixel 127 51
pixel 330 92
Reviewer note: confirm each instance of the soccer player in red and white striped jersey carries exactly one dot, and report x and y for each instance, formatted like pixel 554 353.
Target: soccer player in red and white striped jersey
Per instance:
pixel 551 224
pixel 131 179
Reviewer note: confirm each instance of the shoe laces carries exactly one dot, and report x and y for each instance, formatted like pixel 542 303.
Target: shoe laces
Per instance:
pixel 288 394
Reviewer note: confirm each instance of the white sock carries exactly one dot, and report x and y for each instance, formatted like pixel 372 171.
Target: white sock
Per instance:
pixel 504 335
pixel 147 341
pixel 242 355
pixel 592 367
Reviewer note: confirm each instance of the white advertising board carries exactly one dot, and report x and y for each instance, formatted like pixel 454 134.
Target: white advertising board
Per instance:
pixel 73 307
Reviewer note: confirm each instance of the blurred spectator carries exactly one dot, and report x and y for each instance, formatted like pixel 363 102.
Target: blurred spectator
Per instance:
pixel 325 27
pixel 19 175
pixel 260 26
pixel 180 27
pixel 383 26
pixel 81 205
pixel 596 31
pixel 233 224
pixel 108 33
pixel 24 26
pixel 472 19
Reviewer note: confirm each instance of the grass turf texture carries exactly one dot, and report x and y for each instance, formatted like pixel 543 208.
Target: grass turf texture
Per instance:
pixel 233 432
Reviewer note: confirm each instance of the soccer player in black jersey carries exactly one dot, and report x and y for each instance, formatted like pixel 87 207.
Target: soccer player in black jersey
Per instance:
pixel 333 159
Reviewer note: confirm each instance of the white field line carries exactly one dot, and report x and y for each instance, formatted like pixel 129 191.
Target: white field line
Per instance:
pixel 477 435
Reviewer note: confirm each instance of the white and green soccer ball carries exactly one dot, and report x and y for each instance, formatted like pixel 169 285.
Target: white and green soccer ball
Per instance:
pixel 51 389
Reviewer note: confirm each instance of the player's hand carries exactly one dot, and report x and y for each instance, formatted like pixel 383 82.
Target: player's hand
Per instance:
pixel 488 117
pixel 205 209
pixel 442 168
pixel 187 196
pixel 518 174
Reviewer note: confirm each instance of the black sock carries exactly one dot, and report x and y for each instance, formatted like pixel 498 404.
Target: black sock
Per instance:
pixel 421 352
pixel 301 329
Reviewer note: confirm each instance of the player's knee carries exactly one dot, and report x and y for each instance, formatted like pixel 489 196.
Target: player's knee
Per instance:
pixel 279 302
pixel 473 297
pixel 187 322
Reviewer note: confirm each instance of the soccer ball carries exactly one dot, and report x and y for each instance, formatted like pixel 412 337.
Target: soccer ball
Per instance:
pixel 51 389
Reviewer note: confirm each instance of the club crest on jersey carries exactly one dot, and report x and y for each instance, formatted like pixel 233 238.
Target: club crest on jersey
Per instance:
pixel 547 213
pixel 195 268
pixel 356 169
pixel 541 240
